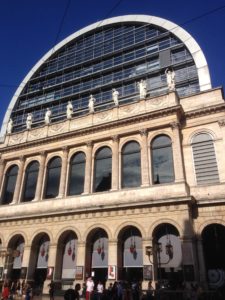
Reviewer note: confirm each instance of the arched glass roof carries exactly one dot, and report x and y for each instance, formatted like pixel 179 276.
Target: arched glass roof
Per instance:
pixel 114 53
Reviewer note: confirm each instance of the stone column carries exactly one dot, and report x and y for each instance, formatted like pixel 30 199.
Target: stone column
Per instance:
pixel 2 167
pixel 115 163
pixel 222 126
pixel 201 262
pixel 62 186
pixel 144 158
pixel 189 255
pixel 51 263
pixel 26 258
pixel 80 259
pixel 38 195
pixel 147 263
pixel 18 187
pixel 88 168
pixel 177 153
pixel 112 259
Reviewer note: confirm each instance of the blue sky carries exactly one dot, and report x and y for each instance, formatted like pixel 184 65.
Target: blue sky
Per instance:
pixel 29 28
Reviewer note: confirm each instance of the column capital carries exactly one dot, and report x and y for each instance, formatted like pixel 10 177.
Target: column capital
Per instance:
pixel 175 125
pixel 89 144
pixel 115 138
pixel 2 161
pixel 22 158
pixel 42 153
pixel 221 123
pixel 143 132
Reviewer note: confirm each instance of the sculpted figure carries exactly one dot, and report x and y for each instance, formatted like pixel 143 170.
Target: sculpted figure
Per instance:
pixel 10 126
pixel 170 78
pixel 142 89
pixel 69 110
pixel 48 116
pixel 91 104
pixel 115 95
pixel 29 121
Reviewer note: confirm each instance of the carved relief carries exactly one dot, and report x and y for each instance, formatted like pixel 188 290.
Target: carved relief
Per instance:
pixel 18 138
pixel 58 128
pixel 130 110
pixel 36 134
pixel 103 116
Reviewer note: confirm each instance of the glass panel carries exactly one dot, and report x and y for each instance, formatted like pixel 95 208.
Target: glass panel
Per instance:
pixel 10 183
pixel 53 178
pixel 103 170
pixel 77 174
pixel 31 181
pixel 162 159
pixel 131 165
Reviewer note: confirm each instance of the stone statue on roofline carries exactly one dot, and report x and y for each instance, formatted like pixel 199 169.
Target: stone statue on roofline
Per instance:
pixel 142 86
pixel 91 104
pixel 115 95
pixel 69 110
pixel 48 115
pixel 170 79
pixel 29 121
pixel 9 126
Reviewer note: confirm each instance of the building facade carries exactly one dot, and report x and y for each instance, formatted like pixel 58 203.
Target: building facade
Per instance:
pixel 112 161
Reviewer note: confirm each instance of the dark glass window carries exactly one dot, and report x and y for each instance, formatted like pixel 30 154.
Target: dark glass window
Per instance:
pixel 30 183
pixel 103 170
pixel 77 173
pixel 53 178
pixel 131 165
pixel 162 160
pixel 10 183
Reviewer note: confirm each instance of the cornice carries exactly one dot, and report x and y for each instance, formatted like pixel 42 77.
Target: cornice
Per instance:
pixel 205 111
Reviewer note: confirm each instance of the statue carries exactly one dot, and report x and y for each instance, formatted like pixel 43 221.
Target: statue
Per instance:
pixel 69 110
pixel 9 126
pixel 48 116
pixel 115 95
pixel 142 89
pixel 91 104
pixel 29 121
pixel 170 78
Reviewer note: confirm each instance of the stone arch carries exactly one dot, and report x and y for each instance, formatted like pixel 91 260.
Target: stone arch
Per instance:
pixel 155 224
pixel 67 228
pixel 128 224
pixel 97 225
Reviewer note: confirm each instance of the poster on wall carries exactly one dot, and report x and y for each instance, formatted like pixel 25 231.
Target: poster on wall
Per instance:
pixel 79 273
pixel 112 272
pixel 147 272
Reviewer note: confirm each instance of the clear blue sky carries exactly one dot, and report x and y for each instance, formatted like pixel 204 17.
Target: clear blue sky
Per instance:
pixel 28 29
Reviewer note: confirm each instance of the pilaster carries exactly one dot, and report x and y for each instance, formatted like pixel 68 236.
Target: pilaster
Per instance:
pixel 88 168
pixel 144 158
pixel 115 163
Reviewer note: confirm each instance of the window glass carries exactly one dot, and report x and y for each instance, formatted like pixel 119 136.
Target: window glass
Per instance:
pixel 10 183
pixel 103 170
pixel 131 165
pixel 53 178
pixel 77 174
pixel 162 160
pixel 31 177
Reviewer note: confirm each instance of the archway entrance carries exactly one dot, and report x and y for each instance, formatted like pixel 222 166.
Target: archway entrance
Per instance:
pixel 167 255
pixel 213 237
pixel 39 261
pixel 14 261
pixel 65 268
pixel 130 255
pixel 97 255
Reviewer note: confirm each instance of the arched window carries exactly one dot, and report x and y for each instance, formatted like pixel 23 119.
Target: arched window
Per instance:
pixel 9 185
pixel 77 174
pixel 30 183
pixel 103 170
pixel 131 165
pixel 162 160
pixel 53 178
pixel 204 159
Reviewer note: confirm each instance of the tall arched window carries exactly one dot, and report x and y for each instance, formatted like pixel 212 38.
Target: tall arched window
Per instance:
pixel 103 170
pixel 53 178
pixel 9 185
pixel 204 159
pixel 77 174
pixel 131 165
pixel 30 183
pixel 162 160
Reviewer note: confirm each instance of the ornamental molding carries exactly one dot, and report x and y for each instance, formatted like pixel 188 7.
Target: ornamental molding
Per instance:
pixel 205 111
pixel 221 123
